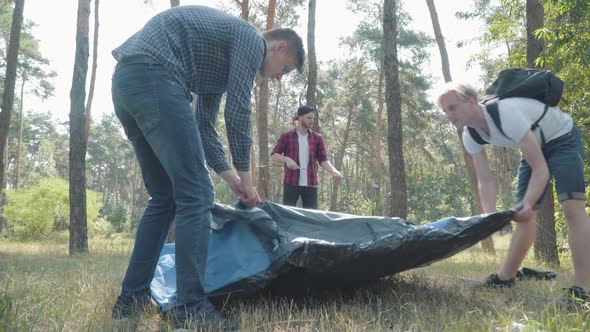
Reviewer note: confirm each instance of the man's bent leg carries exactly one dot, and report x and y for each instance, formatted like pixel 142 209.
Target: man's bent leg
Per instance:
pixel 579 239
pixel 177 144
pixel 131 92
pixel 155 222
pixel 522 239
pixel 565 157
pixel 523 234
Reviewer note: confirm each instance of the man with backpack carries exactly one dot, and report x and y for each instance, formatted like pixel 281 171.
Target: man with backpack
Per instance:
pixel 551 147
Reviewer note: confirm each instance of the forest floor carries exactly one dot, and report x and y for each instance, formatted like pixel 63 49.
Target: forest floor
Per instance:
pixel 42 288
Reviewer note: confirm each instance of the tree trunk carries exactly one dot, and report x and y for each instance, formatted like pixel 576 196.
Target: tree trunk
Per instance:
pixel 504 175
pixel 312 77
pixel 263 175
pixel 78 222
pixel 9 85
pixel 446 69
pixel 245 10
pixel 545 241
pixel 339 162
pixel 19 147
pixel 275 116
pixel 93 72
pixel 262 120
pixel 534 16
pixel 278 174
pixel 377 144
pixel 399 195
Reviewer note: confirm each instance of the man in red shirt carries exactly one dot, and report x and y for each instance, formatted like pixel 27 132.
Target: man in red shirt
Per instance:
pixel 300 149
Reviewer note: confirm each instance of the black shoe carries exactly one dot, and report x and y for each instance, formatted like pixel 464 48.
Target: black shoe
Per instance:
pixel 575 298
pixel 127 306
pixel 201 316
pixel 526 273
pixel 494 281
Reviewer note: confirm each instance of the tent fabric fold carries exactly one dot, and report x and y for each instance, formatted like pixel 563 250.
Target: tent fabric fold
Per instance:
pixel 289 249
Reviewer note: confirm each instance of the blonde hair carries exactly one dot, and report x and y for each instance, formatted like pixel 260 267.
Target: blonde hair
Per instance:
pixel 463 90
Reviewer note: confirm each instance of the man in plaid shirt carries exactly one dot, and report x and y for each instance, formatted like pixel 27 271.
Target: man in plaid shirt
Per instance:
pixel 301 149
pixel 184 50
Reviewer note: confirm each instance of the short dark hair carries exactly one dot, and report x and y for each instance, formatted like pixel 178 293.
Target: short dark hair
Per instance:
pixel 293 40
pixel 302 110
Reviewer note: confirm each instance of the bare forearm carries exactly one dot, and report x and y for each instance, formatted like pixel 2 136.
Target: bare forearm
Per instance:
pixel 278 158
pixel 537 184
pixel 487 194
pixel 328 166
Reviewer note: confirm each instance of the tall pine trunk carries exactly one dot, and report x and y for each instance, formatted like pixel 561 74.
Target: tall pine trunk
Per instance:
pixel 93 72
pixel 262 119
pixel 397 173
pixel 546 239
pixel 19 146
pixel 377 145
pixel 8 94
pixel 9 86
pixel 78 217
pixel 339 160
pixel 312 76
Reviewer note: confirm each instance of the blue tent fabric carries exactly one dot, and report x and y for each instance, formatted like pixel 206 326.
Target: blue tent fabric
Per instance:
pixel 279 248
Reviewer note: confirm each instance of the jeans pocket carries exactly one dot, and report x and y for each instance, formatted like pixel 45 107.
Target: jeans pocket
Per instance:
pixel 141 102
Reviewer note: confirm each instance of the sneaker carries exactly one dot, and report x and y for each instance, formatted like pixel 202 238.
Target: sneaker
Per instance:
pixel 493 281
pixel 127 306
pixel 575 298
pixel 525 273
pixel 201 317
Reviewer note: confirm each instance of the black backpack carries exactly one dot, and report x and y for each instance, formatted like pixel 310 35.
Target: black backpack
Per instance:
pixel 537 84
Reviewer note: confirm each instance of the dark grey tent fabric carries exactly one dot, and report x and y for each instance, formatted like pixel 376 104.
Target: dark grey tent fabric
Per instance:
pixel 282 248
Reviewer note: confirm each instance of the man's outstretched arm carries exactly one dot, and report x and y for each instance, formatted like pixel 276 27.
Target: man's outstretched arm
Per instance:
pixel 327 165
pixel 486 183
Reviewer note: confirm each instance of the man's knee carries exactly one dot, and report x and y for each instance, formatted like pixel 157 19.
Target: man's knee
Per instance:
pixel 574 210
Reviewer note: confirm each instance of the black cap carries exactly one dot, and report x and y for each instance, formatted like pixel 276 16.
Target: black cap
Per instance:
pixel 302 110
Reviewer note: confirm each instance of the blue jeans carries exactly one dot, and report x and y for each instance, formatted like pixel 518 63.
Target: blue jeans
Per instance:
pixel 565 159
pixel 157 118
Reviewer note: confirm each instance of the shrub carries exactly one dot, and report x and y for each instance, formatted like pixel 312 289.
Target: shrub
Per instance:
pixel 34 212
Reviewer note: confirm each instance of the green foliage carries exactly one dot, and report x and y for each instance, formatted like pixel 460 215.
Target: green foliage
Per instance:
pixel 118 216
pixel 41 156
pixel 34 212
pixel 356 202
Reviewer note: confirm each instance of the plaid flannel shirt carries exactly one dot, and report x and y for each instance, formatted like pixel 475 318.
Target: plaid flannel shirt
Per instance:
pixel 210 53
pixel 288 145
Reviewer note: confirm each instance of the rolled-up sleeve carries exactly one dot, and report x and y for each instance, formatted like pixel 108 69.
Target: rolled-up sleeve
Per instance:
pixel 206 114
pixel 281 144
pixel 246 58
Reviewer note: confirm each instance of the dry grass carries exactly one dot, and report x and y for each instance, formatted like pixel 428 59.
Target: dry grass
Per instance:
pixel 43 289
